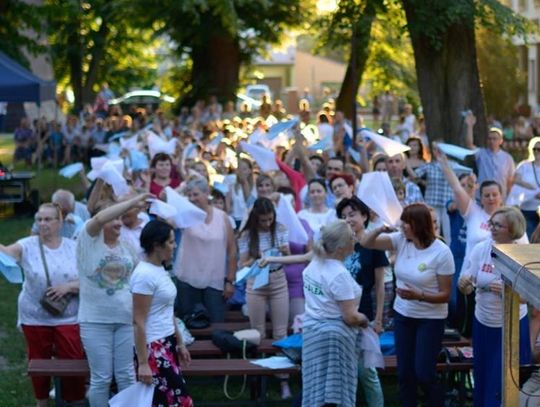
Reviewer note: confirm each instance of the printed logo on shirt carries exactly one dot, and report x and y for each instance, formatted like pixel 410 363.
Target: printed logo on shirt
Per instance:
pixel 487 268
pixel 312 286
pixel 112 273
pixel 422 267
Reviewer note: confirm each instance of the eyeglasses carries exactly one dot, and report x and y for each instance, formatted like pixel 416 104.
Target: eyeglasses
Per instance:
pixel 46 219
pixel 496 225
pixel 535 149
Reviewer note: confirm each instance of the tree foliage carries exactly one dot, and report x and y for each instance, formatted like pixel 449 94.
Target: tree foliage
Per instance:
pixel 92 42
pixel 20 23
pixel 219 35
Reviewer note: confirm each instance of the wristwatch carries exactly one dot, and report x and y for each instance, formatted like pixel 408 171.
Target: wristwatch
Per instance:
pixel 228 281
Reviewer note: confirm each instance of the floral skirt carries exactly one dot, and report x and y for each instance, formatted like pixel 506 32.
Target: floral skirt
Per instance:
pixel 170 388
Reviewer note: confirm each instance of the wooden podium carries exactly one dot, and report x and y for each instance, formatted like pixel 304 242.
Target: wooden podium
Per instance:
pixel 520 269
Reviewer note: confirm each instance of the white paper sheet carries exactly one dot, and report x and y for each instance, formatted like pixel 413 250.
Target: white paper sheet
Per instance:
pixel 157 145
pixel 162 209
pixel 274 362
pixel 136 395
pixel 377 193
pixel 286 215
pixel 280 127
pixel 455 151
pixel 109 173
pixel 265 158
pixel 10 269
pixel 187 214
pixel 390 147
pixel 69 171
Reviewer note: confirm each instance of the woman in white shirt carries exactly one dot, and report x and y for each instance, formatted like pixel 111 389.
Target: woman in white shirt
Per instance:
pixel 507 224
pixel 527 175
pixel 330 351
pixel 105 263
pixel 243 193
pixel 158 342
pixel 423 267
pixel 318 214
pixel 49 335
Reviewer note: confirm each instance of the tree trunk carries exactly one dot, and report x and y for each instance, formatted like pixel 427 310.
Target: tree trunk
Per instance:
pixel 353 75
pixel 448 78
pixel 96 55
pixel 74 54
pixel 216 68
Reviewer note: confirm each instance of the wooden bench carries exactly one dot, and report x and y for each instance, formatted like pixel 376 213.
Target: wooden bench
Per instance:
pixel 228 326
pixel 198 367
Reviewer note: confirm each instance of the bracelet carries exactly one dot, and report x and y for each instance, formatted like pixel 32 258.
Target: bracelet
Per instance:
pixel 227 281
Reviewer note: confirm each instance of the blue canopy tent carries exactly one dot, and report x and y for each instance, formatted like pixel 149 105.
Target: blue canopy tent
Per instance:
pixel 17 84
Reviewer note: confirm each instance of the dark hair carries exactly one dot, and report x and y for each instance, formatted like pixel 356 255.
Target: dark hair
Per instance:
pixel 316 157
pixel 261 206
pixel 418 216
pixel 155 233
pixel 319 181
pixel 337 158
pixel 420 150
pixel 348 178
pixel 355 204
pixel 287 190
pixel 489 183
pixel 323 118
pixel 160 157
pixel 217 194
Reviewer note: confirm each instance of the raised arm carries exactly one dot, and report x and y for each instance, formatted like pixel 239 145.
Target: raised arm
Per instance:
pixel 94 225
pixel 462 198
pixel 14 250
pixel 470 121
pixel 95 195
pixel 300 152
pixel 376 239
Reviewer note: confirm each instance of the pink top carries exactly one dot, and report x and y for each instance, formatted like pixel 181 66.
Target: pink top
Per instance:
pixel 202 260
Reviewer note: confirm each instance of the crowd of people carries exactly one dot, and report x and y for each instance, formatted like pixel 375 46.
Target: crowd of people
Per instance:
pixel 287 201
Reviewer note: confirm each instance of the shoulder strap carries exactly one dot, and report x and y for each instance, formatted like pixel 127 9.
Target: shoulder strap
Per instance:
pixel 534 172
pixel 44 261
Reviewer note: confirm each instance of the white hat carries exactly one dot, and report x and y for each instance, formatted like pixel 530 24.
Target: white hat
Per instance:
pixel 70 170
pixel 265 158
pixel 187 214
pixel 377 193
pixel 390 147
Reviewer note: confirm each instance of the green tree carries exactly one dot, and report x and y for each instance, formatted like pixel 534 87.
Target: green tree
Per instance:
pixel 500 75
pixel 219 35
pixel 94 41
pixel 18 20
pixel 444 42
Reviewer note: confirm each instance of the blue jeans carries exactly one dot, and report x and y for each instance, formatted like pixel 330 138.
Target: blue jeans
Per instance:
pixel 371 385
pixel 418 344
pixel 109 348
pixel 487 361
pixel 211 298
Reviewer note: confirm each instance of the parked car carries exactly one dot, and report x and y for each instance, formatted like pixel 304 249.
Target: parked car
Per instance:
pixel 253 104
pixel 258 91
pixel 142 98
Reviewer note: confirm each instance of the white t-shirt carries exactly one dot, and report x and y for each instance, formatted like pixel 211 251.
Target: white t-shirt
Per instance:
pixel 327 281
pixel 419 268
pixel 148 279
pixel 489 305
pixel 104 274
pixel 317 220
pixel 62 266
pixel 477 221
pixel 530 173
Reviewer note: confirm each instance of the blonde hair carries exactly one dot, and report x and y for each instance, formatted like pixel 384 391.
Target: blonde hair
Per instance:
pixel 55 207
pixel 334 236
pixel 515 219
pixel 532 143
